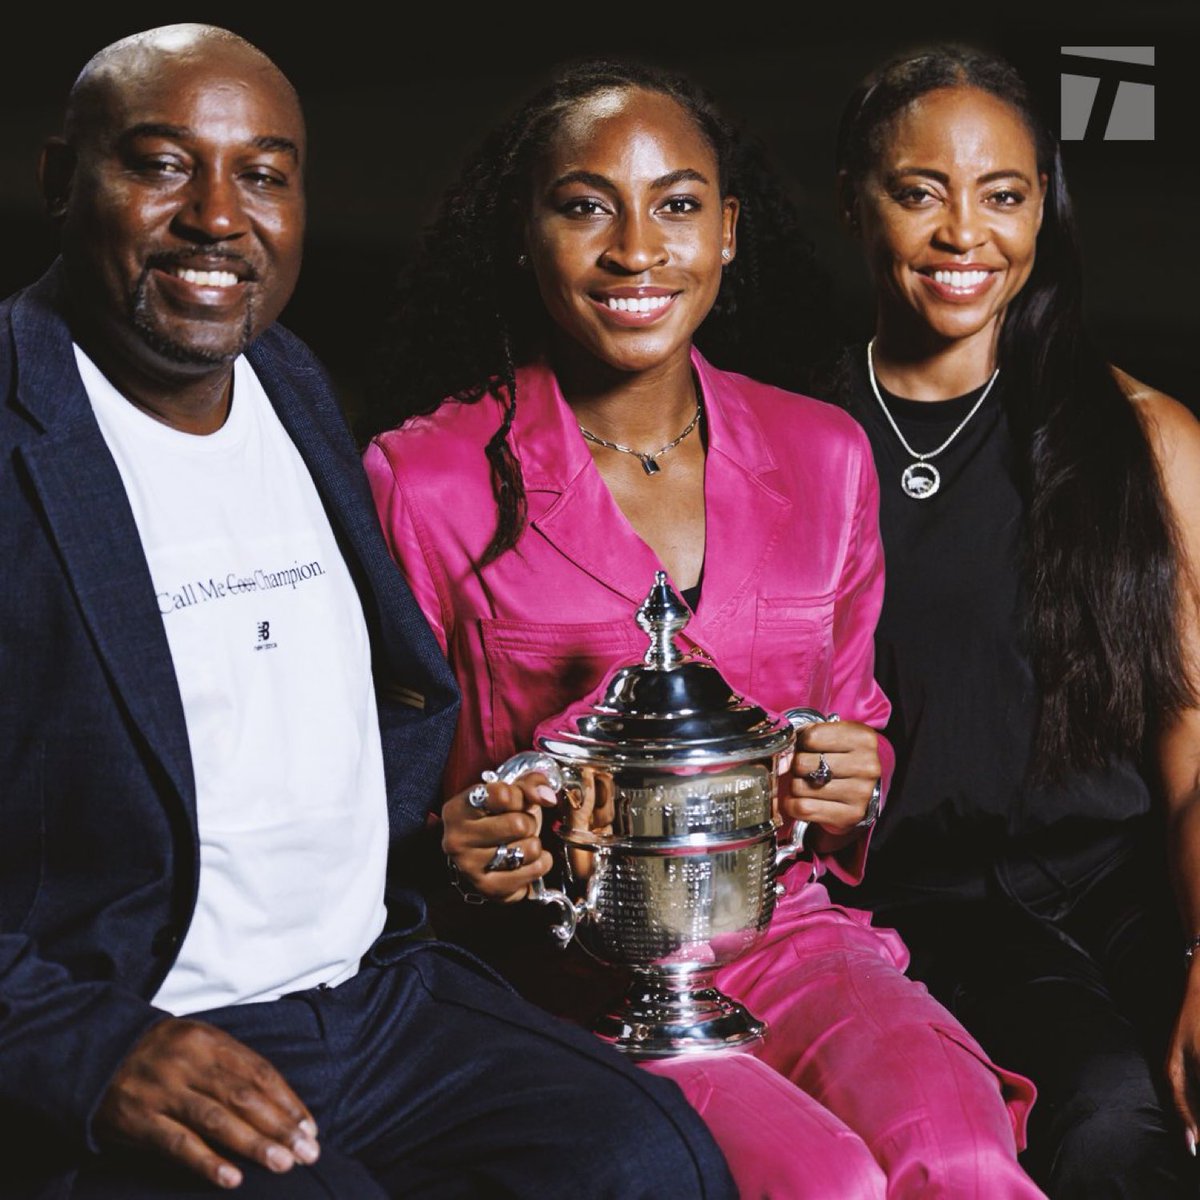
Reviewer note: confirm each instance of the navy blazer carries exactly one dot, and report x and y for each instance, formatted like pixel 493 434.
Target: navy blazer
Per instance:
pixel 98 846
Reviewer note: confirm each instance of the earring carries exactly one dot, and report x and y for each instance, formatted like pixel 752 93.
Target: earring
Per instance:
pixel 522 261
pixel 726 254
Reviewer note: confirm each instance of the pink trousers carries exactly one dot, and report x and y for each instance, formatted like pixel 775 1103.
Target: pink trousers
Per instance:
pixel 864 1086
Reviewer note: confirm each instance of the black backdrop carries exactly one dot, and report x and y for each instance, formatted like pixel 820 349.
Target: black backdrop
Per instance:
pixel 395 97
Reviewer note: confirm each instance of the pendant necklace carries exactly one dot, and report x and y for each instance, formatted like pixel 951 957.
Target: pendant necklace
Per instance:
pixel 921 479
pixel 649 460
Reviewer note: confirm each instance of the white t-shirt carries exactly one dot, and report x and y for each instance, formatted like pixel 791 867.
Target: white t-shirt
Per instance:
pixel 274 668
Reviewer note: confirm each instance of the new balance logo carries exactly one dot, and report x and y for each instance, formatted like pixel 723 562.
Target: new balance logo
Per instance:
pixel 1108 94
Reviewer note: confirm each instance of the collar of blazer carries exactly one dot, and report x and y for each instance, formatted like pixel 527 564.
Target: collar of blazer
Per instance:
pixel 746 518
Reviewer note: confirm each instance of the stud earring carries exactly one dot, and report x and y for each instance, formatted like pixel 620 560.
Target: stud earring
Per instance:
pixel 726 254
pixel 522 261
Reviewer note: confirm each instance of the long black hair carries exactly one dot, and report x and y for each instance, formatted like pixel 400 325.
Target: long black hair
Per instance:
pixel 468 314
pixel 1102 564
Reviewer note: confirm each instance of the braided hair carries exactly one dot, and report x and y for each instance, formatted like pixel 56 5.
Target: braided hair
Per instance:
pixel 468 315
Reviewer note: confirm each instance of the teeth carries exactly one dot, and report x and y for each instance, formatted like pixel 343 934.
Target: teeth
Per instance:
pixel 206 278
pixel 638 304
pixel 960 279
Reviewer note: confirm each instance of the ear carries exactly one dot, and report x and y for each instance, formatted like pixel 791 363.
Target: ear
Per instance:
pixel 729 219
pixel 847 204
pixel 56 172
pixel 1043 181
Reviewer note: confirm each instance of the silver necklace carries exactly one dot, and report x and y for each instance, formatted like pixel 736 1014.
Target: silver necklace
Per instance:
pixel 921 479
pixel 649 461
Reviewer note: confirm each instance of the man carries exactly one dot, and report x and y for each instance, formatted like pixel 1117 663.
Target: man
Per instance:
pixel 220 715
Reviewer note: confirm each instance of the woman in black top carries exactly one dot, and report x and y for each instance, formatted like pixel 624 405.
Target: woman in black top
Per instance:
pixel 1041 516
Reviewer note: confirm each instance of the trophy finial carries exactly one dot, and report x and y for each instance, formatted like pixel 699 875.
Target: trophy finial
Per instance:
pixel 662 615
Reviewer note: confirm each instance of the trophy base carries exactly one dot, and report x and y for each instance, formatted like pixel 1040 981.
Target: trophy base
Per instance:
pixel 668 1014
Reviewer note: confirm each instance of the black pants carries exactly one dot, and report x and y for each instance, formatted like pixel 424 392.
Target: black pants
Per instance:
pixel 428 1079
pixel 1077 987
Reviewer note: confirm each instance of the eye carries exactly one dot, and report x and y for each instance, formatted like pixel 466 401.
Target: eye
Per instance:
pixel 1007 197
pixel 159 165
pixel 265 177
pixel 914 196
pixel 583 206
pixel 679 205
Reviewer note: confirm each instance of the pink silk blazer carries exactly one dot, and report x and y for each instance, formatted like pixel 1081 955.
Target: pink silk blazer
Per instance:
pixel 793 565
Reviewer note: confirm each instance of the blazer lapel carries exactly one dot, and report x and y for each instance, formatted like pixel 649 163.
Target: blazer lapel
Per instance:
pixel 579 517
pixel 746 520
pixel 93 527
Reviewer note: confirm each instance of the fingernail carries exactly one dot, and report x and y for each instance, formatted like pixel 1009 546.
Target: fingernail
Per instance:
pixel 228 1177
pixel 545 794
pixel 1191 1143
pixel 309 1126
pixel 278 1159
pixel 306 1150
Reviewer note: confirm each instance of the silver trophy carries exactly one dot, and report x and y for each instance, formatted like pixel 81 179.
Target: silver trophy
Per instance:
pixel 683 880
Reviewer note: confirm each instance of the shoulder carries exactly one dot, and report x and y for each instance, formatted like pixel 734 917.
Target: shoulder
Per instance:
pixel 1174 436
pixel 443 439
pixel 279 351
pixel 438 460
pixel 788 418
pixel 1171 427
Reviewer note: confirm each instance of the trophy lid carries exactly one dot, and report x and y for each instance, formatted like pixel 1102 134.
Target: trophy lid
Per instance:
pixel 670 709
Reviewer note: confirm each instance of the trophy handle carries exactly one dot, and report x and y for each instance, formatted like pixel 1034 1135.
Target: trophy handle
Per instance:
pixel 521 763
pixel 798 718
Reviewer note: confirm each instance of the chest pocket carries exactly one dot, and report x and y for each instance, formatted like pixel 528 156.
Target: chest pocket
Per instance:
pixel 793 651
pixel 537 669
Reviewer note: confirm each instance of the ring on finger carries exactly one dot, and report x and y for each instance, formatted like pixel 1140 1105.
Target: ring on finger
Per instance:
pixel 477 799
pixel 821 774
pixel 506 858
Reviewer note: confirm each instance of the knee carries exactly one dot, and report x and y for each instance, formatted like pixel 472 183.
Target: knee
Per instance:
pixel 960 1169
pixel 1114 1151
pixel 657 1145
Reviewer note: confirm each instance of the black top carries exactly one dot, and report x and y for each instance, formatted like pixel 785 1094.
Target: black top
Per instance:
pixel 951 657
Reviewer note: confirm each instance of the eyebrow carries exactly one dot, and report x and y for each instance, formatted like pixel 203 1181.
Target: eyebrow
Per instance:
pixel 942 177
pixel 270 142
pixel 591 179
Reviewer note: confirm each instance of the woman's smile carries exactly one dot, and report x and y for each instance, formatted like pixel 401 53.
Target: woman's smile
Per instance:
pixel 950 214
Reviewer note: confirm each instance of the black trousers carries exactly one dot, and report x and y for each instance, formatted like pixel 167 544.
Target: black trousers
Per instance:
pixel 1076 986
pixel 429 1079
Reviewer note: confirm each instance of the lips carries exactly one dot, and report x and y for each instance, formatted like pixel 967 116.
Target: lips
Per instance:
pixel 634 306
pixel 204 281
pixel 958 281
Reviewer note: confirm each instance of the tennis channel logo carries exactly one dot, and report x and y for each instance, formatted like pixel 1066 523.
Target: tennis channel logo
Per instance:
pixel 1108 94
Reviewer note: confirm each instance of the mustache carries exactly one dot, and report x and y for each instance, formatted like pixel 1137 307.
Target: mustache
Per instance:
pixel 212 256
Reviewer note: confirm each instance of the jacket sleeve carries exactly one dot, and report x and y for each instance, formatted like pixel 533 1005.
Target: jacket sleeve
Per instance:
pixel 855 694
pixel 400 533
pixel 62 1040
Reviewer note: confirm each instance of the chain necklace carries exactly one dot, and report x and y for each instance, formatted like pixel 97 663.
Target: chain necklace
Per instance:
pixel 921 479
pixel 648 460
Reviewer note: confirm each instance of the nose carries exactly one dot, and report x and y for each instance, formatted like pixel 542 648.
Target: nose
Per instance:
pixel 962 226
pixel 636 245
pixel 212 208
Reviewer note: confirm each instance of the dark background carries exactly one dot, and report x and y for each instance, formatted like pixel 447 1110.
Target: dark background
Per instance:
pixel 395 97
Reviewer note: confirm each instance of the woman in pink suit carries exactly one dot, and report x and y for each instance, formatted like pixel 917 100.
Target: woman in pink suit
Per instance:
pixel 588 445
